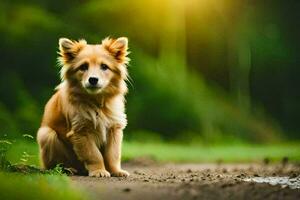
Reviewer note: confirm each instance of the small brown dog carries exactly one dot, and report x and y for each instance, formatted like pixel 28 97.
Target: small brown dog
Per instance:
pixel 83 122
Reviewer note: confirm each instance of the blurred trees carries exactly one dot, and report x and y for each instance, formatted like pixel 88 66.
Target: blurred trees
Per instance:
pixel 216 70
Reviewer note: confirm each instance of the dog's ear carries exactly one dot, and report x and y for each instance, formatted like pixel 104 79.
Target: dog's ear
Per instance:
pixel 118 48
pixel 68 49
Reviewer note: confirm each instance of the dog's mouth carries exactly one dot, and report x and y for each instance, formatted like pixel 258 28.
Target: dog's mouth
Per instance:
pixel 93 89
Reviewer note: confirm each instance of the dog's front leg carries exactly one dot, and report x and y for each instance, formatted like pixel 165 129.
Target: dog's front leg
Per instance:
pixel 112 152
pixel 88 153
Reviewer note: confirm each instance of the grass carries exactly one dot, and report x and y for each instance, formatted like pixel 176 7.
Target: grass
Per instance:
pixel 23 152
pixel 178 152
pixel 199 153
pixel 37 186
pixel 20 176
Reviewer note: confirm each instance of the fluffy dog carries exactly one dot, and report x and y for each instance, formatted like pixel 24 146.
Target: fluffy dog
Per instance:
pixel 83 122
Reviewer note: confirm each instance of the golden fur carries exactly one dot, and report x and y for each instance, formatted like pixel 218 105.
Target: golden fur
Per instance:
pixel 83 122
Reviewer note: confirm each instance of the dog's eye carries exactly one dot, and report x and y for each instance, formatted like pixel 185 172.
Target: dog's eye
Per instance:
pixel 104 67
pixel 84 67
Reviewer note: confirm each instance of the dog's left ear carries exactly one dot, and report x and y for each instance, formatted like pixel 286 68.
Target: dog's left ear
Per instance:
pixel 118 48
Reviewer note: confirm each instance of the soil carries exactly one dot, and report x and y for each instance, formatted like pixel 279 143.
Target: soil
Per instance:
pixel 149 180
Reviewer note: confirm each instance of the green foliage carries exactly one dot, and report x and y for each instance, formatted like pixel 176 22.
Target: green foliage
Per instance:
pixel 22 114
pixel 181 106
pixel 4 163
pixel 7 122
pixel 212 71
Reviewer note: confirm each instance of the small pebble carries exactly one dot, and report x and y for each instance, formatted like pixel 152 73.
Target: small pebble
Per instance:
pixel 126 190
pixel 285 161
pixel 266 161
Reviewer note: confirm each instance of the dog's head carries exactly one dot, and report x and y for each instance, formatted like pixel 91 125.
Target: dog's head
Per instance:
pixel 99 68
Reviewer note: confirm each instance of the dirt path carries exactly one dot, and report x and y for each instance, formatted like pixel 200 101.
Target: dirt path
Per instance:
pixel 196 181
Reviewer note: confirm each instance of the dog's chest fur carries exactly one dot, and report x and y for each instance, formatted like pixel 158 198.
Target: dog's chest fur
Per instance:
pixel 97 120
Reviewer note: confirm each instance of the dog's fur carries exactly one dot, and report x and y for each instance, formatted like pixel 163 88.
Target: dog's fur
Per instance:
pixel 82 126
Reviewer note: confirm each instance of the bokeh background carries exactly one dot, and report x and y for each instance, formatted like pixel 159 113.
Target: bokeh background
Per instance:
pixel 202 71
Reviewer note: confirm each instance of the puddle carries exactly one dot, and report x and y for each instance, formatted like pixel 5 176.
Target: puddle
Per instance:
pixel 285 181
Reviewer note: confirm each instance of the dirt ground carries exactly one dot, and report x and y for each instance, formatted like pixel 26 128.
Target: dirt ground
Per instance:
pixel 149 180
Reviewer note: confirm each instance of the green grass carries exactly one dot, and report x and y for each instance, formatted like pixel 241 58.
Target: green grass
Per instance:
pixel 199 153
pixel 21 178
pixel 23 152
pixel 37 186
pixel 179 152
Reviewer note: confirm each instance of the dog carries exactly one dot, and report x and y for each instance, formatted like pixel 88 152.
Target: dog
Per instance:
pixel 83 122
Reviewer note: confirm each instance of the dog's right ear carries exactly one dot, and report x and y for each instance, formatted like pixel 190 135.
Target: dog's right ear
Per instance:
pixel 68 49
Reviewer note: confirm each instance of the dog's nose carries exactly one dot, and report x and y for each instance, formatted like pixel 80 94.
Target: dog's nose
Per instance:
pixel 93 81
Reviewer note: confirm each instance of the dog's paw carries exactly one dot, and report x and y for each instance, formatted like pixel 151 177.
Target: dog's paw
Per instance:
pixel 120 173
pixel 99 173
